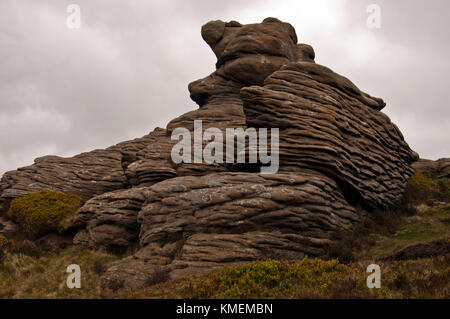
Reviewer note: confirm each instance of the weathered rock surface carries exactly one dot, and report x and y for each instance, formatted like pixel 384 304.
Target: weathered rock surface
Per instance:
pixel 87 174
pixel 246 55
pixel 237 217
pixel 8 228
pixel 337 152
pixel 240 202
pixel 439 168
pixel 327 125
pixel 110 220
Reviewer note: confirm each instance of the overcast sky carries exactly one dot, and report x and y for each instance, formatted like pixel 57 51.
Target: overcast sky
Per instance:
pixel 126 70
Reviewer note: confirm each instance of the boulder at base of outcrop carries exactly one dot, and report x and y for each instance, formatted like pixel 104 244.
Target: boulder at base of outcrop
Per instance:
pixel 208 221
pixel 110 220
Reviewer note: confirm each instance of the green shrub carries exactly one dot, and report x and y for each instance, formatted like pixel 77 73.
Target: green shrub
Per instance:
pixel 347 244
pixel 44 211
pixel 313 272
pixel 253 279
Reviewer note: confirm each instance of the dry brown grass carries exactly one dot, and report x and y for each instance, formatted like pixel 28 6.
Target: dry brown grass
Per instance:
pixel 23 276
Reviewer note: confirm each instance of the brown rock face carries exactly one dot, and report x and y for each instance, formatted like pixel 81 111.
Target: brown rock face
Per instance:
pixel 110 220
pixel 327 125
pixel 249 53
pixel 8 228
pixel 87 174
pixel 244 202
pixel 337 152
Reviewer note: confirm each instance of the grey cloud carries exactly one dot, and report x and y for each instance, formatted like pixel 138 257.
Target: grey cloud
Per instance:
pixel 126 70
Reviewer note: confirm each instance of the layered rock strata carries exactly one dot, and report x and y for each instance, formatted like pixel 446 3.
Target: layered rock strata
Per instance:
pixel 327 125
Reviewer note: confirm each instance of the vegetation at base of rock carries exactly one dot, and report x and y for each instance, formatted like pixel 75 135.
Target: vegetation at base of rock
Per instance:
pixel 310 278
pixel 159 275
pixel 423 189
pixel 22 276
pixel 44 211
pixel 238 282
pixel 347 243
pixel 5 244
pixel 428 225
pixel 412 223
pixel 421 219
pixel 28 270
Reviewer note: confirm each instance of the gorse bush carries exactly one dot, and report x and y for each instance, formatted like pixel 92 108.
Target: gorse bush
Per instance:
pixel 240 281
pixel 324 279
pixel 44 211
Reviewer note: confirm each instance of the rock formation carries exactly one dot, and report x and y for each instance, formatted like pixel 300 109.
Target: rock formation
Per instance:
pixel 328 125
pixel 88 174
pixel 340 158
pixel 110 220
